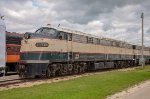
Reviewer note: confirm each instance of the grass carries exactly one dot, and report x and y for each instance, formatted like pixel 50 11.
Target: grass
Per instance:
pixel 96 86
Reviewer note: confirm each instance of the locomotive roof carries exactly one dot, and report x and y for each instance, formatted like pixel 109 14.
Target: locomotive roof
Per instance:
pixel 14 34
pixel 86 34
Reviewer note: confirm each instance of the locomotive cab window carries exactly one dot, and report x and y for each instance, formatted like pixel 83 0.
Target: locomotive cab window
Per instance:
pixel 48 32
pixel 62 35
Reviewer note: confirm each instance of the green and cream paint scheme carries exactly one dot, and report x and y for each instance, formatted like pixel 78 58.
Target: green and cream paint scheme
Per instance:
pixel 54 51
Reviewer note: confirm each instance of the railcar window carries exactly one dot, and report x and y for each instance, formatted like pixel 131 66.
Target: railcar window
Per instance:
pixel 124 46
pixel 83 39
pixel 146 48
pixel 121 44
pixel 102 42
pixel 16 49
pixel 96 41
pixel 89 40
pixel 117 44
pixel 113 43
pixel 13 49
pixel 8 48
pixel 79 38
pixel 69 37
pixel 13 40
pixel 76 38
pixel 128 46
pixel 108 43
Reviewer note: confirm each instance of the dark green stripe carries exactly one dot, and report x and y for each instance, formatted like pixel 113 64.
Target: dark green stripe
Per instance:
pixel 63 56
pixel 43 56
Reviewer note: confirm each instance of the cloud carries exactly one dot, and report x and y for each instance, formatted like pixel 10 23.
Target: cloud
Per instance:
pixel 119 19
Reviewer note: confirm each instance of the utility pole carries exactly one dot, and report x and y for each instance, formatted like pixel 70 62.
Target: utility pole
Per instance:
pixel 142 58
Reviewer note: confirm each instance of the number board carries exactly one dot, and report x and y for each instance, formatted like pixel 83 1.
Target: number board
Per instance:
pixel 42 44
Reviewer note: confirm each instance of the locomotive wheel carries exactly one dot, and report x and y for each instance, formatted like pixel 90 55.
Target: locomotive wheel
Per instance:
pixel 58 73
pixel 83 67
pixel 21 74
pixel 115 65
pixel 75 69
pixel 79 69
pixel 53 74
pixel 70 68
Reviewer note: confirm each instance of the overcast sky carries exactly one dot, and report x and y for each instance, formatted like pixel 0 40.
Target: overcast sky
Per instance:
pixel 119 19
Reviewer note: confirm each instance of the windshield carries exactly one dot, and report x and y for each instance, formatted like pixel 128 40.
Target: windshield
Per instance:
pixel 48 32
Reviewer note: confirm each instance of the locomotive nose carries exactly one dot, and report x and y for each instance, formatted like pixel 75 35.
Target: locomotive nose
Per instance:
pixel 35 51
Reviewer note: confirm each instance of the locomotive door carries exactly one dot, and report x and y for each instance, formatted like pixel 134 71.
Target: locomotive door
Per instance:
pixel 69 47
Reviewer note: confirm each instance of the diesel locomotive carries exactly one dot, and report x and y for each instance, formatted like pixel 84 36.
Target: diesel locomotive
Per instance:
pixel 54 51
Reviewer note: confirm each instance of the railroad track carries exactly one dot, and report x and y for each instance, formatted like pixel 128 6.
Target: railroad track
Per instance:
pixel 11 82
pixel 15 83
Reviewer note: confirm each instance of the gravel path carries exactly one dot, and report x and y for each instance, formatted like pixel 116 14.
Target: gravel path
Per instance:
pixel 141 91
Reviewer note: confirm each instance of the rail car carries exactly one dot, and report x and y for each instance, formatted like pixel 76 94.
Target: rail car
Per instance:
pixel 13 44
pixel 52 51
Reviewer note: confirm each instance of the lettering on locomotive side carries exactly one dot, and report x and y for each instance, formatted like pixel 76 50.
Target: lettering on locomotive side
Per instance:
pixel 42 44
